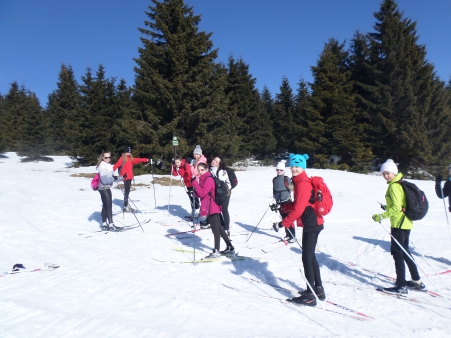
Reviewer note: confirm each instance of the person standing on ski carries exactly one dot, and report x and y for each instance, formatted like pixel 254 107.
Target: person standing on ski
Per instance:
pixel 400 230
pixel 205 190
pixel 446 191
pixel 125 165
pixel 312 224
pixel 183 169
pixel 107 178
pixel 218 168
pixel 282 196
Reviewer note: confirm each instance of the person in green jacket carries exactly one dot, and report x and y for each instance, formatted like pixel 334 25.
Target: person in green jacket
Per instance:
pixel 400 230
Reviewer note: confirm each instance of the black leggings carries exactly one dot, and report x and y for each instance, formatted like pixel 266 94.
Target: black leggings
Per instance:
pixel 218 231
pixel 225 219
pixel 107 208
pixel 402 236
pixel 311 267
pixel 127 186
pixel 193 200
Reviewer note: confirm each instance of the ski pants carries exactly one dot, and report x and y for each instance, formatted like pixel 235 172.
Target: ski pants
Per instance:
pixel 402 236
pixel 192 199
pixel 311 267
pixel 127 186
pixel 218 230
pixel 107 207
pixel 225 219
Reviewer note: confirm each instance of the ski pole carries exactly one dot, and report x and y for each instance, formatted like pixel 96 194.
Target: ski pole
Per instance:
pixel 416 248
pixel 153 182
pixel 170 185
pixel 123 192
pixel 408 255
pixel 247 240
pixel 446 214
pixel 308 284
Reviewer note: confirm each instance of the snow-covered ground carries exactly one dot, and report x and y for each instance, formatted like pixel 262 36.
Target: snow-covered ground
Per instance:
pixel 116 285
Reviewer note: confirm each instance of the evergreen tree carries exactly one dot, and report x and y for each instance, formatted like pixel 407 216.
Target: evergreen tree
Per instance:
pixel 179 89
pixel 282 119
pixel 253 123
pixel 62 104
pixel 400 88
pixel 301 102
pixel 94 126
pixel 335 100
pixel 3 118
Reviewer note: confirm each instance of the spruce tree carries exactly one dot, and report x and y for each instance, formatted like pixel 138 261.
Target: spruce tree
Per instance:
pixel 335 100
pixel 252 123
pixel 282 119
pixel 179 89
pixel 3 131
pixel 400 88
pixel 62 105
pixel 301 103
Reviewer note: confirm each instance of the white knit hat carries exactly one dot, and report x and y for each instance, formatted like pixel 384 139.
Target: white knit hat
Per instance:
pixel 281 165
pixel 389 166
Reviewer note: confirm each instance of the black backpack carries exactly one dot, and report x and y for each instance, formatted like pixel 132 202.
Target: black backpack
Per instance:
pixel 232 177
pixel 221 191
pixel 417 203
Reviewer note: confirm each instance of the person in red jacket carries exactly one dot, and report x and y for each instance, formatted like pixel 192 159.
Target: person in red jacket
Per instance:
pixel 125 165
pixel 205 189
pixel 182 168
pixel 312 224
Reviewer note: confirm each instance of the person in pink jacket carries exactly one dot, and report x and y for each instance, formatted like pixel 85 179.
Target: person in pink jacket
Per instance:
pixel 205 190
pixel 198 158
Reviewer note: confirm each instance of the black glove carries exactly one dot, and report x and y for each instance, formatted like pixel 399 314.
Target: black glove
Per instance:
pixel 173 161
pixel 277 226
pixel 274 207
pixel 193 178
pixel 439 178
pixel 125 177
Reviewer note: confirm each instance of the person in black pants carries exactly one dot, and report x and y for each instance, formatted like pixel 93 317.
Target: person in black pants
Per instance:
pixel 107 178
pixel 446 191
pixel 218 168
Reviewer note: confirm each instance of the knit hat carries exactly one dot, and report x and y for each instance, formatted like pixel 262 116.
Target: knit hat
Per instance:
pixel 127 149
pixel 389 166
pixel 281 165
pixel 297 160
pixel 198 150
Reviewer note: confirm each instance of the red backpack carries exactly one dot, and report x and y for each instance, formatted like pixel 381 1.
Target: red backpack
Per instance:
pixel 323 198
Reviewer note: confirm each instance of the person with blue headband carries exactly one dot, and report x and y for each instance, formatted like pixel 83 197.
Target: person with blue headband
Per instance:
pixel 312 224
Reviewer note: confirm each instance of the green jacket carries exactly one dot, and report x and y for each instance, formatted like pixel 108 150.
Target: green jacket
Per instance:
pixel 396 202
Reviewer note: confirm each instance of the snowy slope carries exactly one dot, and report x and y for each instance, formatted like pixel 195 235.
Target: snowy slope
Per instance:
pixel 115 285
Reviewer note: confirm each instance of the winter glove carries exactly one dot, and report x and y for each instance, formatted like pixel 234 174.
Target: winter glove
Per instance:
pixel 277 226
pixel 173 161
pixel 125 177
pixel 119 178
pixel 193 178
pixel 439 178
pixel 377 217
pixel 274 207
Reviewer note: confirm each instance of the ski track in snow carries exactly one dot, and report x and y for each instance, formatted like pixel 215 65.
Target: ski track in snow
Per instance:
pixel 109 285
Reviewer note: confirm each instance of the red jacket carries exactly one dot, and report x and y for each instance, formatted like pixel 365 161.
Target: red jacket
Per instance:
pixel 128 166
pixel 185 171
pixel 302 209
pixel 203 189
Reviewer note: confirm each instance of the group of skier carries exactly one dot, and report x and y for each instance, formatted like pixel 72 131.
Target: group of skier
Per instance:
pixel 296 210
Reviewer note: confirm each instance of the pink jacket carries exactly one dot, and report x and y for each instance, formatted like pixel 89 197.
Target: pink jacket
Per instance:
pixel 205 190
pixel 202 159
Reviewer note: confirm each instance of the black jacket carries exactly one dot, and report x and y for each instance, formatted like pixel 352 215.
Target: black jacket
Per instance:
pixel 446 191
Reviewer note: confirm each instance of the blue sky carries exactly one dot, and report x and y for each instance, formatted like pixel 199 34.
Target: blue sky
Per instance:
pixel 276 38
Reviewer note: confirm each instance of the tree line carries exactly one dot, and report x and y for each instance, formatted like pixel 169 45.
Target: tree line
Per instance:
pixel 376 97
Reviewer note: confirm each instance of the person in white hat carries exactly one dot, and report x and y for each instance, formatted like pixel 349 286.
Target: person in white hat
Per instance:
pixel 401 225
pixel 446 191
pixel 282 195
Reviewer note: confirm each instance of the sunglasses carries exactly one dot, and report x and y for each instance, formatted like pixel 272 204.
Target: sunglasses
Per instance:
pixel 106 157
pixel 280 170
